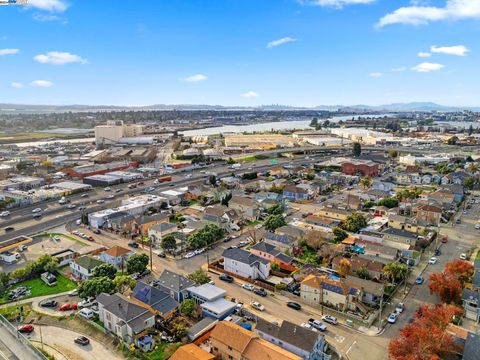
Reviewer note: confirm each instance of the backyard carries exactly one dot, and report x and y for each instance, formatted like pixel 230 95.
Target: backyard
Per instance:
pixel 38 288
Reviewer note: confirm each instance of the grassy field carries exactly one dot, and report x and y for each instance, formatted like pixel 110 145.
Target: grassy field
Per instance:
pixel 11 312
pixel 39 288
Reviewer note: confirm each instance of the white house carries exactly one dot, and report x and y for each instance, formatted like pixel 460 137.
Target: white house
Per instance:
pixel 123 317
pixel 82 268
pixel 245 264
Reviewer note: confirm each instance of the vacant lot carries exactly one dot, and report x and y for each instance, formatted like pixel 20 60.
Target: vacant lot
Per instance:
pixel 39 288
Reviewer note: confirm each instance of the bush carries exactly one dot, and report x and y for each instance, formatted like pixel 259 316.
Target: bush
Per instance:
pixel 280 286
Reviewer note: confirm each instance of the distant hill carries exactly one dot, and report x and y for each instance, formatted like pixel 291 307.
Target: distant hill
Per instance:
pixel 395 107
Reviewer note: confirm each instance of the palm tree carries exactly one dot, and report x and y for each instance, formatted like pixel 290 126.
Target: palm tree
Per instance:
pixel 366 182
pixel 395 271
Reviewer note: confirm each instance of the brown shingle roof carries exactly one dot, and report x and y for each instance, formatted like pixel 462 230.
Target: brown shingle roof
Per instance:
pixel 117 251
pixel 232 335
pixel 191 352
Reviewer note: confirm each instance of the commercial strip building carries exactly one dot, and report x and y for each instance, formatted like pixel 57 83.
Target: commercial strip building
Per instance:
pixel 132 206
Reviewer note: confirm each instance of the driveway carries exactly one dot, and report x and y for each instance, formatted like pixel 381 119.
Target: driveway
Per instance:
pixel 62 341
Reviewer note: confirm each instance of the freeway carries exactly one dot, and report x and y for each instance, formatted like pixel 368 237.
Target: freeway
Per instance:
pixel 55 214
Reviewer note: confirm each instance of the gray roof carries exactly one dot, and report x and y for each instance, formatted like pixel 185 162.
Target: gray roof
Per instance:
pixel 156 298
pixel 201 327
pixel 155 217
pixel 290 333
pixel 164 226
pixel 132 314
pixel 88 262
pixel 173 281
pixel 476 278
pixel 470 294
pixel 243 256
pixel 402 233
pixel 471 351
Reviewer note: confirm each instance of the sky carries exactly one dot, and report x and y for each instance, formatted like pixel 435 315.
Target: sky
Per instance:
pixel 240 52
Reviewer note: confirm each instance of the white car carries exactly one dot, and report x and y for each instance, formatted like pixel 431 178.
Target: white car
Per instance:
pixel 399 308
pixel 37 210
pixel 4 213
pixel 107 189
pixel 392 319
pixel 308 326
pixel 463 256
pixel 257 305
pixel 100 201
pixel 110 196
pixel 199 251
pixel 189 255
pixel 258 226
pixel 433 260
pixel 71 206
pixel 248 287
pixel 86 303
pixel 73 292
pixel 477 226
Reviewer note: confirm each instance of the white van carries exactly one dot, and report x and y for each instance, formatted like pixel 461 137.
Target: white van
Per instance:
pixel 86 313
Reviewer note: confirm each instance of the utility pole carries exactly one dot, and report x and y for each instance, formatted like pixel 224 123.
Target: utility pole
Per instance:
pixel 151 260
pixel 381 308
pixel 41 336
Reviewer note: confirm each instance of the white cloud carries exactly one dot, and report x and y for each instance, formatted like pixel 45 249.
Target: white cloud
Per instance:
pixel 458 50
pixel 45 18
pixel 250 94
pixel 9 51
pixel 41 83
pixel 195 78
pixel 376 74
pixel 281 41
pixel 59 58
pixel 339 4
pixel 399 69
pixel 422 15
pixel 424 54
pixel 427 67
pixel 16 85
pixel 49 5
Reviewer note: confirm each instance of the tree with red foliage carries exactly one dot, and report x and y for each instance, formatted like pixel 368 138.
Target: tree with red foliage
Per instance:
pixel 446 286
pixel 462 269
pixel 426 337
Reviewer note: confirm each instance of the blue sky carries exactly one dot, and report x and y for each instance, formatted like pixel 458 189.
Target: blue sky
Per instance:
pixel 240 52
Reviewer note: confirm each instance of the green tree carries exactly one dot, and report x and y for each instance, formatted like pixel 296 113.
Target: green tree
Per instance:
pixel 389 202
pixel 199 276
pixel 107 270
pixel 366 182
pixel 339 234
pixel 137 263
pixel 276 209
pixel 180 330
pixel 205 236
pixel 368 204
pixel 393 154
pixel 273 222
pixel 4 279
pixel 96 286
pixel 275 266
pixel 168 242
pixel 188 307
pixel 469 182
pixel 395 271
pixel 212 179
pixel 354 222
pixel 362 272
pixel 124 283
pixel 357 149
pixel 453 140
pixel 314 123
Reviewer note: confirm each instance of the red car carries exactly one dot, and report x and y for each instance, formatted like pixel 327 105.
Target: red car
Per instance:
pixel 67 307
pixel 445 239
pixel 90 238
pixel 26 329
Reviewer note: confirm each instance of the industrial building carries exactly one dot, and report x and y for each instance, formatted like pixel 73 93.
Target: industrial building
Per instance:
pixel 99 169
pixel 115 130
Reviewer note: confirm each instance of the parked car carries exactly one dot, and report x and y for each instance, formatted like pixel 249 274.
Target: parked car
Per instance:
pixel 419 280
pixel 67 307
pixel 444 239
pixel 392 318
pixel 248 287
pixel 294 305
pixel 226 278
pixel 161 254
pixel 260 291
pixel 84 195
pixel 9 228
pixel 37 216
pixel 257 305
pixel 437 252
pixel 133 244
pixel 189 255
pixel 86 303
pixel 317 324
pixel 330 319
pixel 399 308
pixel 145 272
pixel 26 329
pixel 86 313
pixel 308 326
pixel 100 201
pixel 96 231
pixel 433 260
pixel 4 213
pixel 71 206
pixel 36 210
pixel 73 292
pixel 199 251
pixel 49 303
pixel 90 238
pixel 107 188
pixel 463 256
pixel 81 340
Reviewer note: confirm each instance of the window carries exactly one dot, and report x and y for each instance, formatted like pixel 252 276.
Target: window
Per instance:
pixel 230 357
pixel 230 348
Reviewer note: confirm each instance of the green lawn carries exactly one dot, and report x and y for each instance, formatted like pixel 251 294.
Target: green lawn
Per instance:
pixel 163 351
pixel 39 288
pixel 11 312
